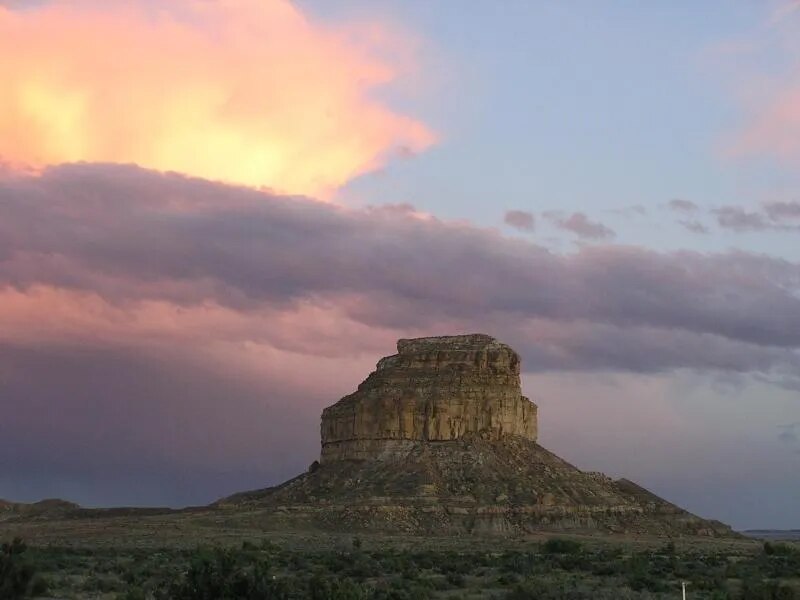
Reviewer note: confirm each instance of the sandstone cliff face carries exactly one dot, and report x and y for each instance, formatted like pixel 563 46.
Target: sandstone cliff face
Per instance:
pixel 433 390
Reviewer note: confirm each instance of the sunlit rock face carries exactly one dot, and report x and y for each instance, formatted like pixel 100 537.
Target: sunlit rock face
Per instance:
pixel 434 389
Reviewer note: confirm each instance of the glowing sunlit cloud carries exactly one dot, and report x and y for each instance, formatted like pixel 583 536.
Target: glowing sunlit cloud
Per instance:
pixel 775 130
pixel 772 101
pixel 244 91
pixel 783 11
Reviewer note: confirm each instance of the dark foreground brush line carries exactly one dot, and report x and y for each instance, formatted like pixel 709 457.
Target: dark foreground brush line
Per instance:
pixel 557 569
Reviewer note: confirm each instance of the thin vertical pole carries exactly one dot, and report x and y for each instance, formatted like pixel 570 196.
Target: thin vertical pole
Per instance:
pixel 683 585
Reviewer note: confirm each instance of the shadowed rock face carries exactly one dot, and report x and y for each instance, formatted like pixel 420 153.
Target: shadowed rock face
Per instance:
pixel 434 389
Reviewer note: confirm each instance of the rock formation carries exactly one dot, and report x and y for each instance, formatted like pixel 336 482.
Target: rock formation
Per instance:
pixel 433 390
pixel 439 439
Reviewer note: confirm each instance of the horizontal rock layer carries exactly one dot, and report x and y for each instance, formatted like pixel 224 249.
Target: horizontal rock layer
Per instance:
pixel 434 389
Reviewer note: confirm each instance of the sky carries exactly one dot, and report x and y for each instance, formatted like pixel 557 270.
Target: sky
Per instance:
pixel 217 215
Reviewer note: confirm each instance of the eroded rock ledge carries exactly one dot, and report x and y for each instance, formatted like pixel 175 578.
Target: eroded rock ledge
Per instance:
pixel 433 389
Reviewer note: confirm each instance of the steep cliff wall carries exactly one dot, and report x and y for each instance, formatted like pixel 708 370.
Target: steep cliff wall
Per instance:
pixel 433 389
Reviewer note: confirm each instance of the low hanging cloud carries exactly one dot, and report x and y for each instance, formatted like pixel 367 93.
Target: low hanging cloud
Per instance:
pixel 579 224
pixel 244 91
pixel 520 219
pixel 178 321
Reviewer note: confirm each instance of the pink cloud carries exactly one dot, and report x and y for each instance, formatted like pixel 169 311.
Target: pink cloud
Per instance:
pixel 244 91
pixel 771 101
pixel 775 129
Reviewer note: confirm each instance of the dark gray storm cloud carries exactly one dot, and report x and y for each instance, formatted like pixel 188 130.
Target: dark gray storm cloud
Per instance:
pixel 115 427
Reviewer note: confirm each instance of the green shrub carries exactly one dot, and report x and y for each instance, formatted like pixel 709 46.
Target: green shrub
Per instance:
pixel 16 572
pixel 779 549
pixel 321 588
pixel 561 546
pixel 756 589
pixel 39 585
pixel 456 579
pixel 220 576
pixel 134 593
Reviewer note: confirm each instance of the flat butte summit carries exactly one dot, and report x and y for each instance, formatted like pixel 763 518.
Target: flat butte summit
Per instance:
pixel 440 440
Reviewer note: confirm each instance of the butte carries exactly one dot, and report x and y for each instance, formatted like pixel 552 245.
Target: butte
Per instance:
pixel 440 440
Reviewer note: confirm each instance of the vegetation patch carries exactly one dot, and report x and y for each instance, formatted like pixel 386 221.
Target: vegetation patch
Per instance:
pixel 557 569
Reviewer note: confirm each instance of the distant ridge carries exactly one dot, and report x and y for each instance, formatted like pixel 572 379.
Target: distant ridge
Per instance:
pixel 773 534
pixel 55 508
pixel 48 507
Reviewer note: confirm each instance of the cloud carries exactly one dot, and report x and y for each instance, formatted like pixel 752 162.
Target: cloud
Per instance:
pixel 773 216
pixel 775 131
pixel 771 101
pixel 582 226
pixel 790 434
pixel 783 11
pixel 783 211
pixel 128 235
pixel 17 4
pixel 519 219
pixel 635 210
pixel 178 321
pixel 694 226
pixel 244 91
pixel 679 205
pixel 740 219
pixel 117 426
